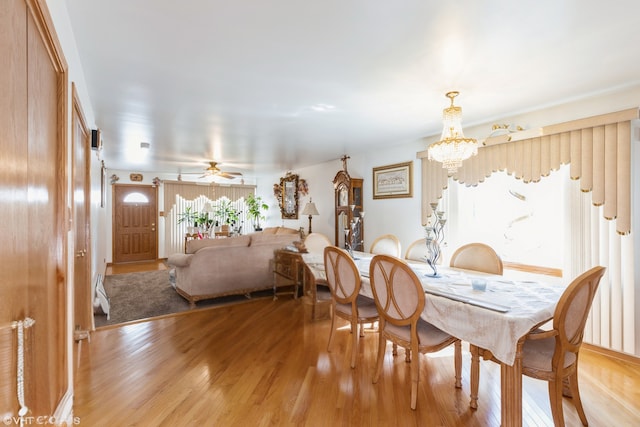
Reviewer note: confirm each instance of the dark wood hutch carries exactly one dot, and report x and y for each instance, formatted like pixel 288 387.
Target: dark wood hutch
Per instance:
pixel 348 206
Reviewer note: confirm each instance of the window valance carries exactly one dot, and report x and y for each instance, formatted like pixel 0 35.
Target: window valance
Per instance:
pixel 191 190
pixel 598 150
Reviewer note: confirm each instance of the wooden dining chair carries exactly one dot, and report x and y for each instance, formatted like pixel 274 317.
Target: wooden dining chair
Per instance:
pixel 400 300
pixel 477 257
pixel 387 244
pixel 316 242
pixel 552 355
pixel 344 282
pixel 417 251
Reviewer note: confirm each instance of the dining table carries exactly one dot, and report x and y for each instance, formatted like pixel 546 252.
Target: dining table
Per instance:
pixel 495 319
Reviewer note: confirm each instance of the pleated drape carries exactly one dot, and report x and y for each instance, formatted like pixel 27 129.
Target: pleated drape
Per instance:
pixel 599 156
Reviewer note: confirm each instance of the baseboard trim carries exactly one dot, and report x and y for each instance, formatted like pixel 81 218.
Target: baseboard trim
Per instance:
pixel 63 414
pixel 625 357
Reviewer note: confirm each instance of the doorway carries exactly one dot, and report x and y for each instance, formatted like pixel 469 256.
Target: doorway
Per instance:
pixel 135 212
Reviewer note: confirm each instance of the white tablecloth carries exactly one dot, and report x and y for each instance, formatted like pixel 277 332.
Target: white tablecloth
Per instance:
pixel 526 303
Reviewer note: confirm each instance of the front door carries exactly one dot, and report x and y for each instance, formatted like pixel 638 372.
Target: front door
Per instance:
pixel 135 213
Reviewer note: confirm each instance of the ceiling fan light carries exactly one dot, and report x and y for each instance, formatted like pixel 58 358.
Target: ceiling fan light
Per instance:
pixel 453 148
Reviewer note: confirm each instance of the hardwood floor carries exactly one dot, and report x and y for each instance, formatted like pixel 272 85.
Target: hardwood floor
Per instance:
pixel 133 267
pixel 263 362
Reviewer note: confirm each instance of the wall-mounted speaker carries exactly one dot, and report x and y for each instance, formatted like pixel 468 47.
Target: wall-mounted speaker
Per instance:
pixel 96 139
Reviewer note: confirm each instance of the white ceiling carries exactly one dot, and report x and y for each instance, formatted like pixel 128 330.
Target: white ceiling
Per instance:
pixel 263 86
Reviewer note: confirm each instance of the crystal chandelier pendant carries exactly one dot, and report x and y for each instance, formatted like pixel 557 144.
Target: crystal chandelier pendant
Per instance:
pixel 453 148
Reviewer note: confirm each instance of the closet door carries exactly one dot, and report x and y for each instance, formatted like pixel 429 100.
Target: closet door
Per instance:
pixel 32 210
pixel 13 203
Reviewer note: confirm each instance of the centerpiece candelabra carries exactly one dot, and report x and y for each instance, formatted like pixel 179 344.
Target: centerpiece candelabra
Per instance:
pixel 353 234
pixel 435 237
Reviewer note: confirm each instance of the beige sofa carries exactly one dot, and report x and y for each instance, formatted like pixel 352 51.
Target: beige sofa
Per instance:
pixel 228 266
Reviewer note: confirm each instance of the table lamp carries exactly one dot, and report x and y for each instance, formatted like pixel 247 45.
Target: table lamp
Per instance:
pixel 310 209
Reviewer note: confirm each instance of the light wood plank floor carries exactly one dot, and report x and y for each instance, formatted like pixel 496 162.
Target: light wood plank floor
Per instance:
pixel 263 363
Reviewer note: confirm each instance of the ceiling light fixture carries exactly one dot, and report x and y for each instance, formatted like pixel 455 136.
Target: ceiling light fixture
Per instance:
pixel 453 147
pixel 145 145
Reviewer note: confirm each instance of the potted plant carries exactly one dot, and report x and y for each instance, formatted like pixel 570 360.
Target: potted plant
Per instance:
pixel 254 207
pixel 189 217
pixel 225 214
pixel 203 221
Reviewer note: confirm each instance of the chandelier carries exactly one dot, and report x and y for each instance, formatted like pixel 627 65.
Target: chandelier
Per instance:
pixel 453 147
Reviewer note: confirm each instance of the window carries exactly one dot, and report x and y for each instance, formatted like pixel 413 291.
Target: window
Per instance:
pixel 135 198
pixel 522 222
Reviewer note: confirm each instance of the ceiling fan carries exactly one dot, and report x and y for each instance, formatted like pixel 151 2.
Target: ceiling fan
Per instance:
pixel 214 170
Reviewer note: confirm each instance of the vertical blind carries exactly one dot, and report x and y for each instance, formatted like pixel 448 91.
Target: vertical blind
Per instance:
pixel 191 191
pixel 598 150
pixel 179 195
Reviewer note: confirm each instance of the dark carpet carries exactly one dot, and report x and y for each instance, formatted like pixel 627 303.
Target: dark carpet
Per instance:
pixel 135 296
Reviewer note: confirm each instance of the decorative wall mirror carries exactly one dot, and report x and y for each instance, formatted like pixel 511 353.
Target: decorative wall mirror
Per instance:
pixel 289 194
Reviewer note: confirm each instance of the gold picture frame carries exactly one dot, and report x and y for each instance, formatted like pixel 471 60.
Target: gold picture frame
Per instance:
pixel 289 196
pixel 393 181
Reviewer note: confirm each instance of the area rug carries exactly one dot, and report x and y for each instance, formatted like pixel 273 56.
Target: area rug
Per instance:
pixel 135 296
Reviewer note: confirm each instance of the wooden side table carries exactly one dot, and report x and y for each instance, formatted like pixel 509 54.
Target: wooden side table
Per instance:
pixel 287 270
pixel 188 237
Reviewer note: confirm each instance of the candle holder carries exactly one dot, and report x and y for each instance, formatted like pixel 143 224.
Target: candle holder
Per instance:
pixel 435 237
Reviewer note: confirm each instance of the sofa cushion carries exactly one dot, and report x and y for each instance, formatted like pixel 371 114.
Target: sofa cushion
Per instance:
pixel 286 230
pixel 281 240
pixel 229 242
pixel 277 230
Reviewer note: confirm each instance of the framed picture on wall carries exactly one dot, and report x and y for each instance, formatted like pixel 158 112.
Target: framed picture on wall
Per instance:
pixel 393 181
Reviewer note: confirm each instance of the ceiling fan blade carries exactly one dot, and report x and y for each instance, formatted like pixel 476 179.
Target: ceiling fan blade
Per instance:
pixel 226 175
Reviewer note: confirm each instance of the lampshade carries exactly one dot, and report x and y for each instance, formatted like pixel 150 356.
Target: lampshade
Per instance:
pixel 207 207
pixel 453 147
pixel 310 209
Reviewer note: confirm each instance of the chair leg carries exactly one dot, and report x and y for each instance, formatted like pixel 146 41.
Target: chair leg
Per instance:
pixel 333 328
pixel 415 375
pixel 382 346
pixel 475 375
pixel 457 361
pixel 394 351
pixel 555 400
pixel 354 344
pixel 573 384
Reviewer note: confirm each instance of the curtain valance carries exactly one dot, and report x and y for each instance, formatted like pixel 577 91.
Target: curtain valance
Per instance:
pixel 192 190
pixel 598 150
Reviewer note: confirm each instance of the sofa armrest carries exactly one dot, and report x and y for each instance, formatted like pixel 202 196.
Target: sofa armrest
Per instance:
pixel 180 260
